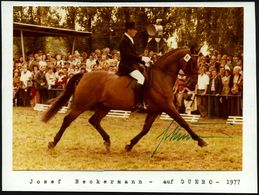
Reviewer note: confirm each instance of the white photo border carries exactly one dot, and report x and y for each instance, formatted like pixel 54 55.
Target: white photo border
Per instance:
pixel 152 181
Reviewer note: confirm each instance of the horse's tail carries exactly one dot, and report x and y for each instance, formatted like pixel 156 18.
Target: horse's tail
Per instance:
pixel 63 98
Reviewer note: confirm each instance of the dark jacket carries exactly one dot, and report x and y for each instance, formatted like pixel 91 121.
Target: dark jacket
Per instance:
pixel 40 80
pixel 129 58
pixel 218 85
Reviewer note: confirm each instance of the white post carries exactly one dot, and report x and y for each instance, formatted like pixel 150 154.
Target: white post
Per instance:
pixel 73 47
pixel 22 44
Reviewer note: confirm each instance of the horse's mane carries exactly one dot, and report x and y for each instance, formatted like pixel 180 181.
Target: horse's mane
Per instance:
pixel 163 57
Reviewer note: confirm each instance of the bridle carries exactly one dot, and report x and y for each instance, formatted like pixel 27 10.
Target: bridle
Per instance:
pixel 188 57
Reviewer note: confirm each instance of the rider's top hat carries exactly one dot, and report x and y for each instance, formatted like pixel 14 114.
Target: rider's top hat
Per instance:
pixel 130 25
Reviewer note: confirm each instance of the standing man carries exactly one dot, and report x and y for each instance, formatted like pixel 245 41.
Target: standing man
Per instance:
pixel 41 82
pixel 214 90
pixel 129 63
pixel 26 79
pixel 201 91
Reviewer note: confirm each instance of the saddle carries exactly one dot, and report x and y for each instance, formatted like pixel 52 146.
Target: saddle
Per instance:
pixel 147 73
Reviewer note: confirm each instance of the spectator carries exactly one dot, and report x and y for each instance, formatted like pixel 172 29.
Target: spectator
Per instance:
pixel 219 58
pixel 201 90
pixel 59 61
pixel 65 71
pixel 56 70
pixel 98 54
pixel 34 93
pixel 179 90
pixel 146 58
pixel 235 61
pixel 40 53
pixel 76 58
pixel 221 72
pixel 61 81
pixel 90 62
pixel 214 90
pixel 41 83
pixel 16 88
pixel 26 79
pixel 70 60
pixel 236 83
pixel 64 58
pixel 203 62
pixel 116 55
pixel 103 62
pixel 214 63
pixel 208 71
pixel 83 70
pixel 71 69
pixel 225 93
pixel 77 70
pixel 112 68
pixel 224 63
pixel 151 53
pixel 46 58
pixel 70 76
pixel 83 57
pixel 51 78
pixel 116 60
pixel 154 58
pixel 106 51
pixel 229 62
pixel 30 61
pixel 215 52
pixel 18 66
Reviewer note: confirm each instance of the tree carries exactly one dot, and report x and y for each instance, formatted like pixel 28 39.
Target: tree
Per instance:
pixel 221 28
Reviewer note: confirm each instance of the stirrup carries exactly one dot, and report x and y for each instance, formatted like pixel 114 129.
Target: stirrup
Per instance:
pixel 140 106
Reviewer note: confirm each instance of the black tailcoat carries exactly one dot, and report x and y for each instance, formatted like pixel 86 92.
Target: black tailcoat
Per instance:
pixel 129 58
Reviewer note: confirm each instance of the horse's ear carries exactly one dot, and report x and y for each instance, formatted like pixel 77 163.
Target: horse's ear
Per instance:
pixel 195 48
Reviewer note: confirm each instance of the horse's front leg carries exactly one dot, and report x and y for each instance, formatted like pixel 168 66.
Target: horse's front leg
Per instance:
pixel 148 123
pixel 172 112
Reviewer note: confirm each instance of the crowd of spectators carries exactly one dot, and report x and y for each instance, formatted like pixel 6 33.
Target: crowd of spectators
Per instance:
pixel 218 92
pixel 42 76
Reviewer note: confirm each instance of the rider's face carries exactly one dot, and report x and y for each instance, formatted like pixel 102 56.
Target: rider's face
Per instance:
pixel 132 32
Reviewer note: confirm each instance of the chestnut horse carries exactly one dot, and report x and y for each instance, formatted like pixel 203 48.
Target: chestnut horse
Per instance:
pixel 108 91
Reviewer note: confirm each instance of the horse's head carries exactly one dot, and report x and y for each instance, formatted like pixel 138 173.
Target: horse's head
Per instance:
pixel 188 63
pixel 180 58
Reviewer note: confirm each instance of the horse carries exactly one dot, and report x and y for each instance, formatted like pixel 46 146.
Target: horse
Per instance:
pixel 100 89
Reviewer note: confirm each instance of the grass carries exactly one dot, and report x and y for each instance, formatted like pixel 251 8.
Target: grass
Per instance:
pixel 81 147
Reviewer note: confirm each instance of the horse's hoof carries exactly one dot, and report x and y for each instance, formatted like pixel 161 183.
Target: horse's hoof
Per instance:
pixel 202 143
pixel 107 146
pixel 51 145
pixel 128 148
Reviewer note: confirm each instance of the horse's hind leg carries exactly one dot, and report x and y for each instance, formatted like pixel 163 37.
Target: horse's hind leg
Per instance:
pixel 66 122
pixel 172 112
pixel 148 123
pixel 95 120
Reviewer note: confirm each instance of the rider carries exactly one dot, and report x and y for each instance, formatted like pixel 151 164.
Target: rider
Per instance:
pixel 129 63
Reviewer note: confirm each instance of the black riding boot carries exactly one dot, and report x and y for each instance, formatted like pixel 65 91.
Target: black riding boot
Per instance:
pixel 139 97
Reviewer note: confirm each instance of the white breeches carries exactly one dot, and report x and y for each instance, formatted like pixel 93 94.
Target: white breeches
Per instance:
pixel 136 74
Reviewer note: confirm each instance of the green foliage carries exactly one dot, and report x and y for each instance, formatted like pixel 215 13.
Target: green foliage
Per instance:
pixel 222 28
